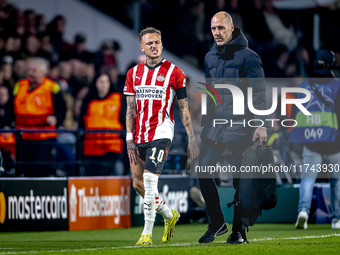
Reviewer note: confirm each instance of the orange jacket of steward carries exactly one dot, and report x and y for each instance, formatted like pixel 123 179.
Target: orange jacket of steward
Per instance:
pixel 103 114
pixel 7 142
pixel 33 107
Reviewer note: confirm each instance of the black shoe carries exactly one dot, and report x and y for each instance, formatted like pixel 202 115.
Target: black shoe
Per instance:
pixel 237 238
pixel 212 232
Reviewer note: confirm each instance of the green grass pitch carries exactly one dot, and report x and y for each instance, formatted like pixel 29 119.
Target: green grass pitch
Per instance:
pixel 263 239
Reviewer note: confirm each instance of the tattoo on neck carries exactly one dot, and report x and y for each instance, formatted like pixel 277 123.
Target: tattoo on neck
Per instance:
pixel 153 61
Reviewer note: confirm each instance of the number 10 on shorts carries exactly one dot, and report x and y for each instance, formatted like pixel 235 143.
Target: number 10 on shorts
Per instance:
pixel 160 154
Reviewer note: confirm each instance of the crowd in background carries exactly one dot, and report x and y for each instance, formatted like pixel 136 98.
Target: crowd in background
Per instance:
pixel 283 42
pixel 25 34
pixel 286 51
pixel 282 38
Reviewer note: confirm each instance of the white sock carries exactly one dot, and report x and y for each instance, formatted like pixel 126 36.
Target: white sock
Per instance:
pixel 163 209
pixel 150 186
pixel 148 226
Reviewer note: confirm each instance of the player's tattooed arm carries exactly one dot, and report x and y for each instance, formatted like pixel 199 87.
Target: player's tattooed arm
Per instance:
pixel 193 150
pixel 130 114
pixel 130 127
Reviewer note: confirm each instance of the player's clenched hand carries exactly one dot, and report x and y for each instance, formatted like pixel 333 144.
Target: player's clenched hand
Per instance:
pixel 193 150
pixel 132 152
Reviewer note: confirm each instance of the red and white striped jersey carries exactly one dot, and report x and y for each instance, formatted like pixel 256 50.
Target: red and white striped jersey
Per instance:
pixel 154 91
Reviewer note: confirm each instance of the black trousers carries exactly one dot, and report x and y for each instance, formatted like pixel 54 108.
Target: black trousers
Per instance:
pixel 210 153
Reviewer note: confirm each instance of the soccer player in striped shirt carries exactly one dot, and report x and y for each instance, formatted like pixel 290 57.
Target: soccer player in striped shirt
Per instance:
pixel 150 91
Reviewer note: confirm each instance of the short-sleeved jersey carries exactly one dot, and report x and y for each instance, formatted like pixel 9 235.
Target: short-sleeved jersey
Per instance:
pixel 154 91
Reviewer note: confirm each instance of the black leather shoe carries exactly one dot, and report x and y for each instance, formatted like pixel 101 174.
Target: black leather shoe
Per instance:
pixel 237 238
pixel 212 232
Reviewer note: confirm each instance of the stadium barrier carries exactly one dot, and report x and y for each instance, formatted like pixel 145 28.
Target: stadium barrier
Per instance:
pixel 41 204
pixel 81 203
pixel 67 153
pixel 99 202
pixel 33 204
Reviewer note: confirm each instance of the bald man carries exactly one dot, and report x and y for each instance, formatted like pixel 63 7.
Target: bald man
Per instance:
pixel 233 62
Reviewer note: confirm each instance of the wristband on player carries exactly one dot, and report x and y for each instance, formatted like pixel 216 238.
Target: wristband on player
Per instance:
pixel 129 136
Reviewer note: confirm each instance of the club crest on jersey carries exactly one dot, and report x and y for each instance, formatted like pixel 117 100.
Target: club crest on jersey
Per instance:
pixel 160 78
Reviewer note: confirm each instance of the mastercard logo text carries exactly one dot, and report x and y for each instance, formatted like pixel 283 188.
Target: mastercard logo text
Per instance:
pixel 2 208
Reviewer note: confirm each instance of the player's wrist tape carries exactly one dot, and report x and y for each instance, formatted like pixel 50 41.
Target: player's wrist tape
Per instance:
pixel 129 136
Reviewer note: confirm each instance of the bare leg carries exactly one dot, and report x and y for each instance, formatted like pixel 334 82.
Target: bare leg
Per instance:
pixel 137 176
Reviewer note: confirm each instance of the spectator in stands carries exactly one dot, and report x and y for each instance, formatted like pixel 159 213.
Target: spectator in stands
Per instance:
pixel 8 72
pixel 2 45
pixel 38 104
pixel 47 50
pixel 53 72
pixel 19 69
pixel 324 147
pixel 18 22
pixel 5 107
pixel 117 80
pixel 192 32
pixel 13 45
pixel 17 43
pixel 253 19
pixel 101 109
pixel 56 30
pixel 90 73
pixel 79 78
pixel 107 55
pixel 278 64
pixel 282 34
pixel 32 46
pixel 7 140
pixel 65 73
pixel 6 12
pixel 29 17
pixel 78 51
pixel 78 102
pixel 5 9
pixel 40 23
pixel 9 47
pixel 1 74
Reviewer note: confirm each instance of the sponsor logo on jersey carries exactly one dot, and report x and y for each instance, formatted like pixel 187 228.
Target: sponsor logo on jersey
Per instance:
pixel 151 92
